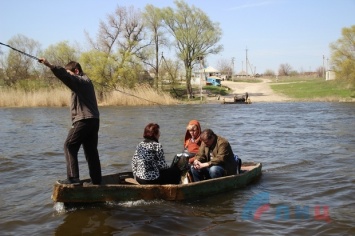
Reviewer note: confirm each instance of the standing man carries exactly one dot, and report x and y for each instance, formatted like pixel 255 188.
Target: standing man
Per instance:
pixel 85 122
pixel 214 159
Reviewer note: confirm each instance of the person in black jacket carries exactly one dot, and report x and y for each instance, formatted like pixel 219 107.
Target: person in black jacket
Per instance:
pixel 85 122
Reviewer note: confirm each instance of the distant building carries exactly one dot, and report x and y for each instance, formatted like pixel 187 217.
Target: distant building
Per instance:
pixel 204 74
pixel 330 75
pixel 241 74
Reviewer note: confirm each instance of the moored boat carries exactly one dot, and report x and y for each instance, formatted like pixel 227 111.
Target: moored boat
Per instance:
pixel 237 102
pixel 122 187
pixel 244 99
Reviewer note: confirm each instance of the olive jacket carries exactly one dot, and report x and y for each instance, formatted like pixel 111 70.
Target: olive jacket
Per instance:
pixel 219 153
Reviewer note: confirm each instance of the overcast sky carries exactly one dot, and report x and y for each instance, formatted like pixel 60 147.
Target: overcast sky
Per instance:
pixel 274 32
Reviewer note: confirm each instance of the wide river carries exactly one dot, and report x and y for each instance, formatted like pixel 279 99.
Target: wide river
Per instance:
pixel 307 186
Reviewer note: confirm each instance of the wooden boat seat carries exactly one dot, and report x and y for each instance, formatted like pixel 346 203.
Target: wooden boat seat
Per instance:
pixel 131 181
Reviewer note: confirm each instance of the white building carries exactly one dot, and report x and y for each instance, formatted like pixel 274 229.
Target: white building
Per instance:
pixel 330 75
pixel 204 74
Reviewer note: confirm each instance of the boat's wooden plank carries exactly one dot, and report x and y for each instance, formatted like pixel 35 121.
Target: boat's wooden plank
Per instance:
pixel 131 181
pixel 116 188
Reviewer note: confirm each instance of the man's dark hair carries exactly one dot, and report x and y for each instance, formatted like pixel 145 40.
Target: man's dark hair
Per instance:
pixel 207 134
pixel 72 65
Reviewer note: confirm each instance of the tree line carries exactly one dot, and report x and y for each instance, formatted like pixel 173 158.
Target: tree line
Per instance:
pixel 128 45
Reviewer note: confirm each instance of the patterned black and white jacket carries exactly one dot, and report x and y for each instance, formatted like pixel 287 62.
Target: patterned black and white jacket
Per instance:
pixel 148 159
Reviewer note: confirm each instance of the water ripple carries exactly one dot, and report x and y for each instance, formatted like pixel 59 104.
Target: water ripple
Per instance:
pixel 307 151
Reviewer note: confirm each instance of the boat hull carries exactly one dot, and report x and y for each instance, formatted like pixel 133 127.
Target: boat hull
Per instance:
pixel 114 189
pixel 238 102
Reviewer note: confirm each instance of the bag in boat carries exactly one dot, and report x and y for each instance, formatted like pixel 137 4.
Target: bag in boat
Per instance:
pixel 239 163
pixel 181 160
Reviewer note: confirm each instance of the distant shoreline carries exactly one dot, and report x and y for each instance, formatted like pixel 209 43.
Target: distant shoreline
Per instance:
pixel 261 92
pixel 258 92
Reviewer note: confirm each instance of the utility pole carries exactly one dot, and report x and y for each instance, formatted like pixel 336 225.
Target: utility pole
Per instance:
pixel 246 61
pixel 200 60
pixel 242 66
pixel 323 67
pixel 232 67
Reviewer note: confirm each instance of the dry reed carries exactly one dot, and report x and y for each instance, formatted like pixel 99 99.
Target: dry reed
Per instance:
pixel 59 97
pixel 141 95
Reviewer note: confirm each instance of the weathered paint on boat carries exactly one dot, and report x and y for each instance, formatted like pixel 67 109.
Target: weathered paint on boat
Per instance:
pixel 244 99
pixel 238 102
pixel 114 188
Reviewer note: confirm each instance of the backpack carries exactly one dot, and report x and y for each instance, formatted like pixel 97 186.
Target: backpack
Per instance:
pixel 181 161
pixel 239 164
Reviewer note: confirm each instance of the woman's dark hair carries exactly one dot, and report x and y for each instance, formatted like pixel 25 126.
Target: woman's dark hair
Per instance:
pixel 74 65
pixel 151 130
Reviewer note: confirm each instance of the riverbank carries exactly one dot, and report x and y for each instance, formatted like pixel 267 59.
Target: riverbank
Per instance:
pixel 258 92
pixel 297 90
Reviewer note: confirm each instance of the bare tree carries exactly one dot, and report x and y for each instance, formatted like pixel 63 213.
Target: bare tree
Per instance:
pixel 285 69
pixel 269 72
pixel 119 46
pixel 225 67
pixel 153 21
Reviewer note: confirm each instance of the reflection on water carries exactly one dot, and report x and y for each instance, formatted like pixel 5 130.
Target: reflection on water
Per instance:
pixel 306 150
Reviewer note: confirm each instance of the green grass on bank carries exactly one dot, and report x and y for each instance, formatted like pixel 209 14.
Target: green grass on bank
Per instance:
pixel 216 90
pixel 247 80
pixel 314 89
pixel 297 88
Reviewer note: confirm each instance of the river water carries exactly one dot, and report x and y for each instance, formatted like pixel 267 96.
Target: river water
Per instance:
pixel 307 186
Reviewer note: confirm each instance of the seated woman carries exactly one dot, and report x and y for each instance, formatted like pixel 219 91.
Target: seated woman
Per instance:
pixel 192 139
pixel 148 162
pixel 192 144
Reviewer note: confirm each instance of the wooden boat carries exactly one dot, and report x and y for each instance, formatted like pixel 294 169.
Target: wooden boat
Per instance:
pixel 122 187
pixel 245 99
pixel 238 102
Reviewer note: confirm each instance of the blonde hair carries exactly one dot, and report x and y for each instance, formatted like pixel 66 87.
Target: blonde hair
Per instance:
pixel 190 127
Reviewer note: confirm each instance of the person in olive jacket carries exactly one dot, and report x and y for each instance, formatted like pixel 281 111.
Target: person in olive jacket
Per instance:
pixel 214 159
